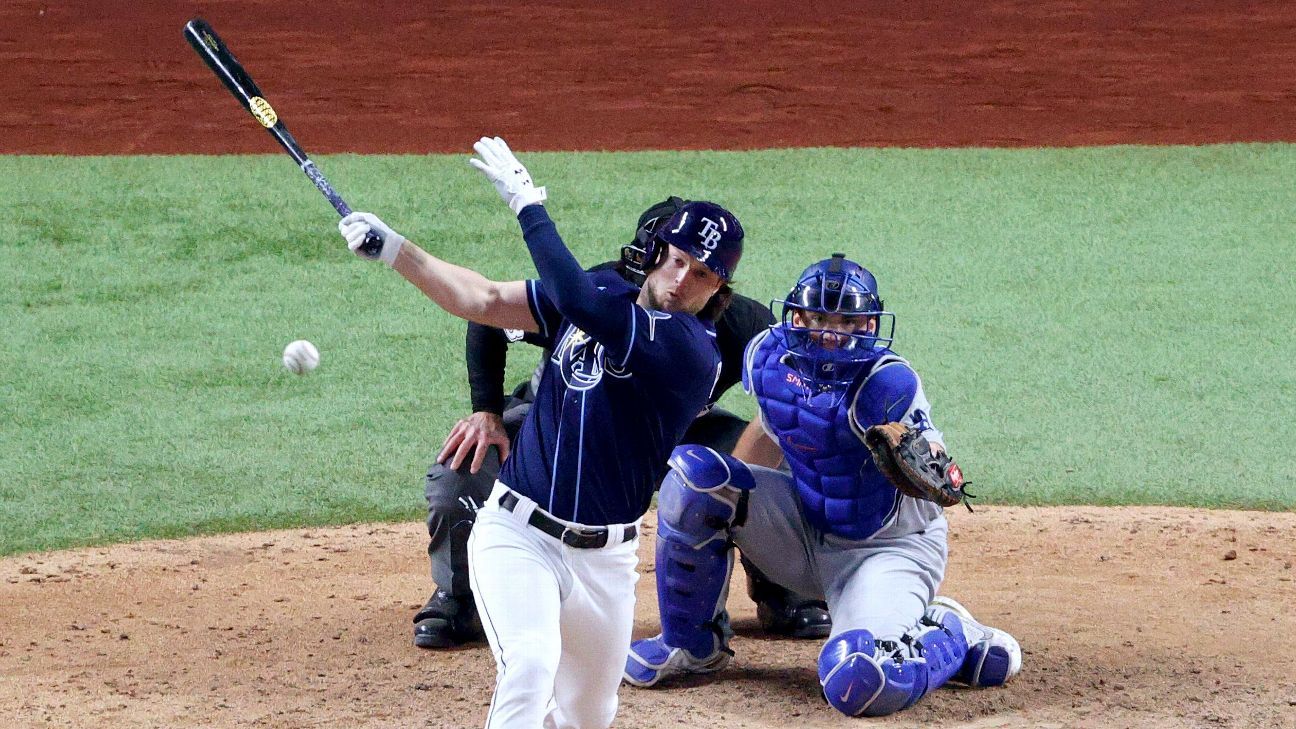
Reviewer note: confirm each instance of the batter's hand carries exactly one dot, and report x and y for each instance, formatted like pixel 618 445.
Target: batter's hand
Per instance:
pixel 356 226
pixel 475 433
pixel 510 178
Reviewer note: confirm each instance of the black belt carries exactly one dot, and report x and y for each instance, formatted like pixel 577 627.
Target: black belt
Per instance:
pixel 577 537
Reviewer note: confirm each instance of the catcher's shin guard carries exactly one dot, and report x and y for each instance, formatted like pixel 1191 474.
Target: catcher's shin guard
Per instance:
pixel 697 506
pixel 864 677
pixel 993 656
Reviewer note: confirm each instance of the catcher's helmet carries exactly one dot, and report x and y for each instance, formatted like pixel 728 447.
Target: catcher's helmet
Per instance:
pixel 834 285
pixel 705 231
pixel 634 255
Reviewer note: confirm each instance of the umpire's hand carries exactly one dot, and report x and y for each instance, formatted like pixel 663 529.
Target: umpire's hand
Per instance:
pixel 475 433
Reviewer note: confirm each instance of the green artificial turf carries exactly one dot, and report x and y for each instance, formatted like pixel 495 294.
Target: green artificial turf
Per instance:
pixel 1106 326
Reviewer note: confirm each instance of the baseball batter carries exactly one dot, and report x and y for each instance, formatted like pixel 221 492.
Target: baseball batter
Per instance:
pixel 834 526
pixel 552 552
pixel 469 461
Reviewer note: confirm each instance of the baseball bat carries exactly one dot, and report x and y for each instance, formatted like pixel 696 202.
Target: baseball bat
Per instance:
pixel 213 51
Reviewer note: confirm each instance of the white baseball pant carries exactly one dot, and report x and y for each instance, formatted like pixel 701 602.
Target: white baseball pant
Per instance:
pixel 558 619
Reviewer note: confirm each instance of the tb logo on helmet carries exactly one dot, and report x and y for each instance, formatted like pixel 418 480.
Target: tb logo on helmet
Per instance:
pixel 707 232
pixel 710 234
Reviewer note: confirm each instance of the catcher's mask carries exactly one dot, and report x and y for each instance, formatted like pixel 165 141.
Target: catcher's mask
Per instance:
pixel 838 286
pixel 634 255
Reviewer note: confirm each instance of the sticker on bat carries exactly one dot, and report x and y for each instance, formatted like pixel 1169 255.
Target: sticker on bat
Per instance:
pixel 263 112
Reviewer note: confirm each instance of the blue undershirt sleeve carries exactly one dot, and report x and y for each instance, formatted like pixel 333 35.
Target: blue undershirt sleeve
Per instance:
pixel 568 285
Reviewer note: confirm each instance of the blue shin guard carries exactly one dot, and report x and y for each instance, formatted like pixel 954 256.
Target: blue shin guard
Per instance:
pixel 864 677
pixel 697 506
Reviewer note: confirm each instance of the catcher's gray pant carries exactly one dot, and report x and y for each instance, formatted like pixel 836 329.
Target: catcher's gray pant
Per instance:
pixel 882 584
pixel 450 519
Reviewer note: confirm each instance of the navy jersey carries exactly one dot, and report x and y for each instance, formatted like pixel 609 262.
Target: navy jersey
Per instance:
pixel 610 406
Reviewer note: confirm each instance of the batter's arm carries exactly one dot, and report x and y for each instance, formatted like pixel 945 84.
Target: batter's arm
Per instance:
pixel 466 293
pixel 568 285
pixel 756 447
pixel 460 291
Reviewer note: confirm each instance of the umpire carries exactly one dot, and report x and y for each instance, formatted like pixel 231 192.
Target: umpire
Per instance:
pixel 469 461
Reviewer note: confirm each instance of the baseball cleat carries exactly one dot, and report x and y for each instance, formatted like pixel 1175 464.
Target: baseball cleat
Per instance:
pixel 447 621
pixel 807 619
pixel 782 611
pixel 993 655
pixel 651 660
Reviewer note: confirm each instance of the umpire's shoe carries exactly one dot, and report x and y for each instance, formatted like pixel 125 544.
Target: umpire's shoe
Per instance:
pixel 783 612
pixel 447 621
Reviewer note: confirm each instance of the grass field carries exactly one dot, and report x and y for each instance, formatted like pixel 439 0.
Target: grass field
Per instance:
pixel 1107 326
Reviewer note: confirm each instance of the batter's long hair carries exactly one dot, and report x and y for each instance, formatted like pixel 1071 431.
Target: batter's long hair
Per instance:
pixel 715 307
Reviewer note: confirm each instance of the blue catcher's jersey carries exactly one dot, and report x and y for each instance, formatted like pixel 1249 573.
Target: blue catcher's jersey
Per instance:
pixel 840 488
pixel 607 414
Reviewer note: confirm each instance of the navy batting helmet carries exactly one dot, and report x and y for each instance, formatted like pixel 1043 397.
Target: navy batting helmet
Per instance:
pixel 705 231
pixel 834 285
pixel 634 255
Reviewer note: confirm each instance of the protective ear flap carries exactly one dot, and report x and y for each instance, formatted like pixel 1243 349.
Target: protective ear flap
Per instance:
pixel 656 256
pixel 644 254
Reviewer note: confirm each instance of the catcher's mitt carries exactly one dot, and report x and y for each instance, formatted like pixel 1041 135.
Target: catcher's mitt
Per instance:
pixel 904 456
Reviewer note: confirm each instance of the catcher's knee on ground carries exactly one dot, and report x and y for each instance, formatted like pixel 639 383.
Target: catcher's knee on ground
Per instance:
pixel 866 677
pixel 699 503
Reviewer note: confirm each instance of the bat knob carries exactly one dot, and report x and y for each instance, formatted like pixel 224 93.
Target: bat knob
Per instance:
pixel 373 245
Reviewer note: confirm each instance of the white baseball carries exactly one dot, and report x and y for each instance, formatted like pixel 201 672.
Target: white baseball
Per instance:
pixel 300 357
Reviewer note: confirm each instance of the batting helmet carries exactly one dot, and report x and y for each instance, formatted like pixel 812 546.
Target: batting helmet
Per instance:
pixel 634 255
pixel 834 285
pixel 705 231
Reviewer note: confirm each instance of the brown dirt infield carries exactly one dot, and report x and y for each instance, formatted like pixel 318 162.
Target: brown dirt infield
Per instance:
pixel 1129 617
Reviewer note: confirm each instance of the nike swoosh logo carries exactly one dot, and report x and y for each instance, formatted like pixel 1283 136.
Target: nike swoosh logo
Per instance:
pixel 846 696
pixel 892 404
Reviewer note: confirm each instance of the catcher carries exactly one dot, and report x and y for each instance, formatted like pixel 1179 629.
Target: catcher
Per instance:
pixel 858 520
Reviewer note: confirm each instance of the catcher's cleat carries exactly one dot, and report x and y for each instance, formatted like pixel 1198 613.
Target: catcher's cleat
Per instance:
pixel 447 621
pixel 783 612
pixel 805 619
pixel 993 655
pixel 651 660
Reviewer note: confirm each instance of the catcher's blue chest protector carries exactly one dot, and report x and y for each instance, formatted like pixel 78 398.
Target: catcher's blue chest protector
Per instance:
pixel 840 489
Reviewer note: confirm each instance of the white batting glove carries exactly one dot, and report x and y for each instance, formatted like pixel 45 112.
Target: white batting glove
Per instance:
pixel 510 178
pixel 356 226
